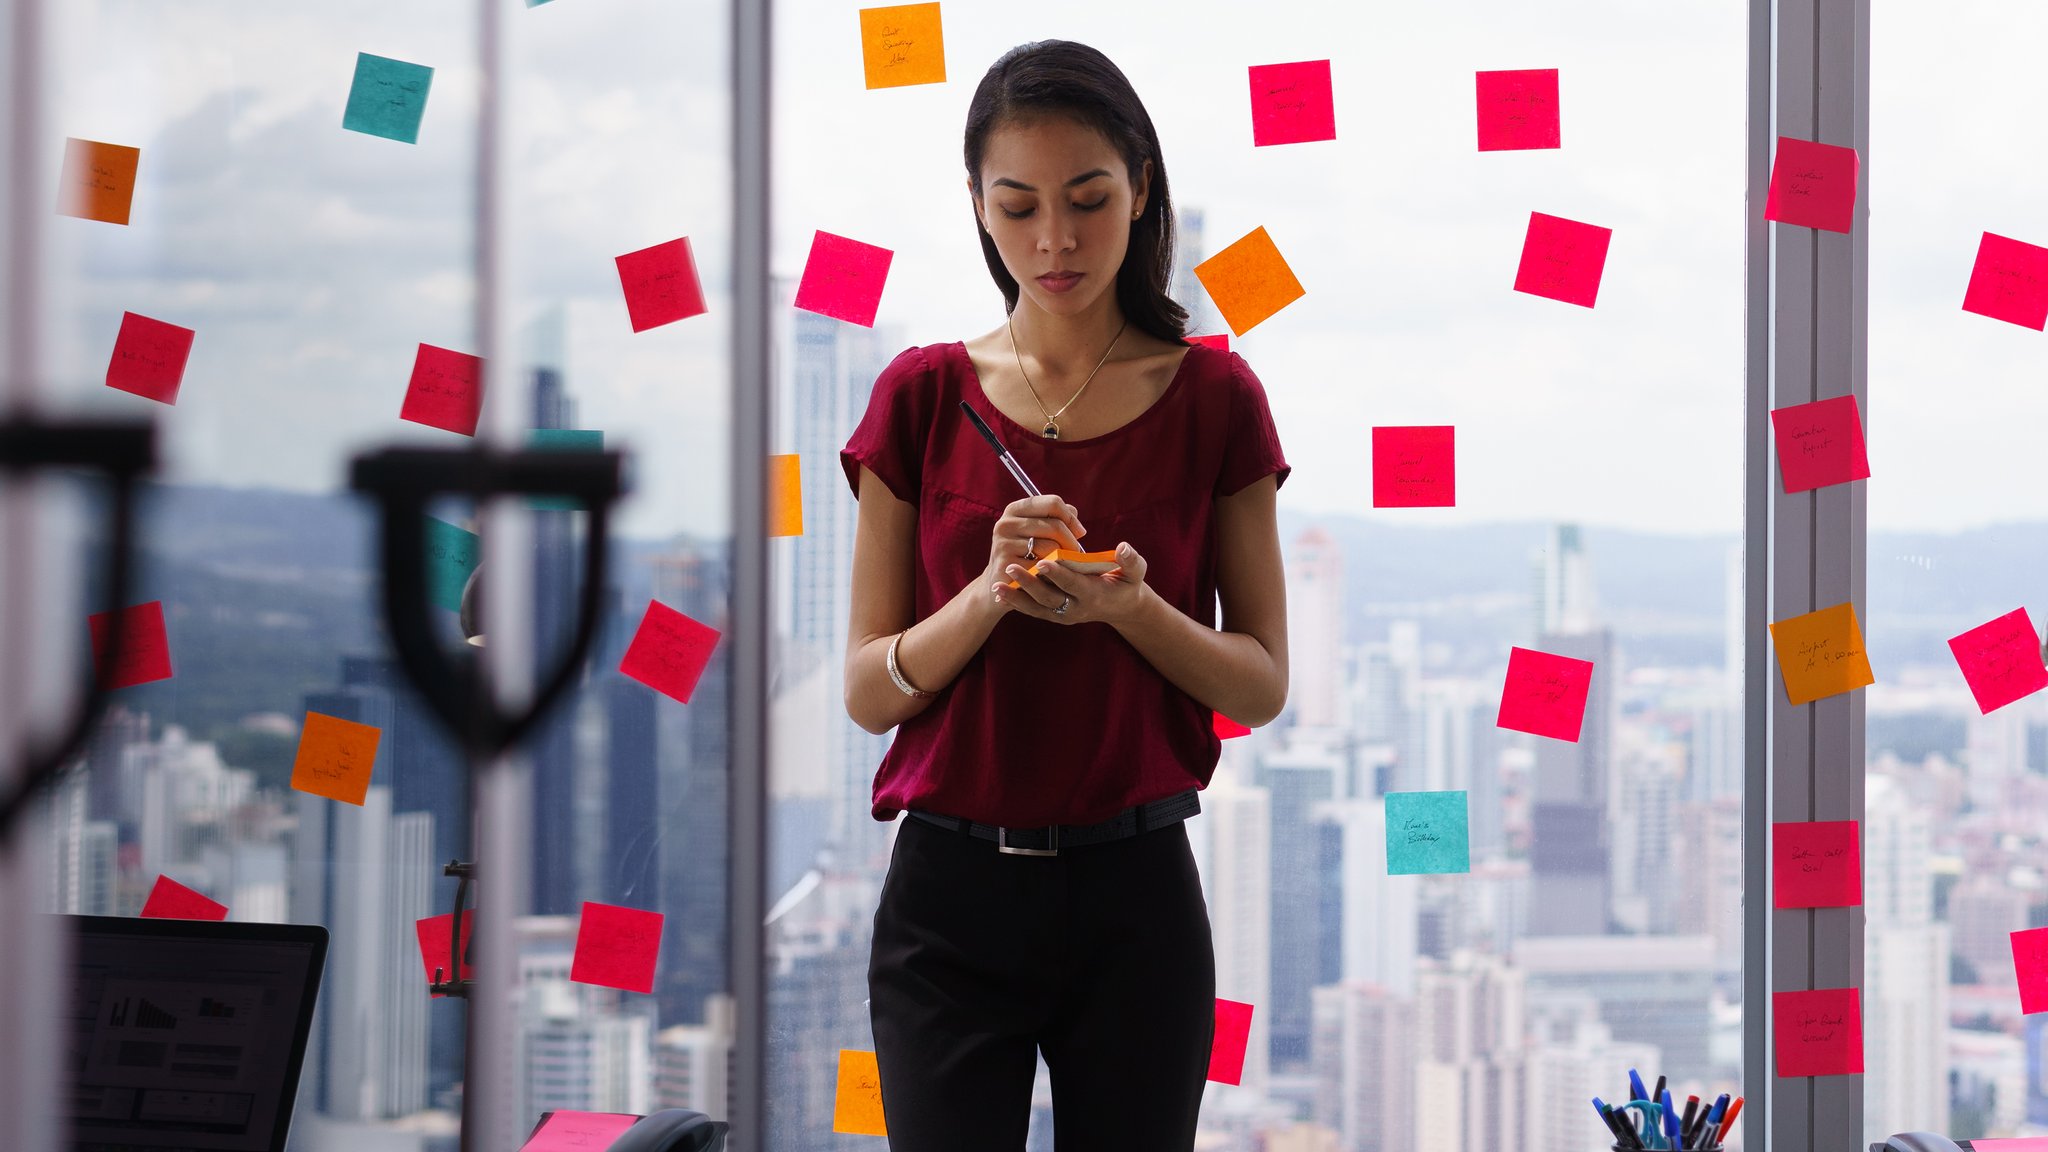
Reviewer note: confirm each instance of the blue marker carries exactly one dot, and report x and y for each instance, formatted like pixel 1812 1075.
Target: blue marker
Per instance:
pixel 1670 1120
pixel 1635 1085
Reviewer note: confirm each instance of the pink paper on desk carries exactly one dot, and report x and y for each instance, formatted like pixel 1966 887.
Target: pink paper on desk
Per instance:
pixel 1818 1033
pixel 1820 444
pixel 1226 728
pixel 1562 259
pixel 1518 110
pixel 170 900
pixel 616 947
pixel 149 358
pixel 2015 1144
pixel 2001 660
pixel 1812 185
pixel 579 1132
pixel 843 279
pixel 1292 103
pixel 433 936
pixel 2009 282
pixel 1415 467
pixel 2030 963
pixel 669 652
pixel 145 648
pixel 1816 864
pixel 1233 1031
pixel 446 390
pixel 661 284
pixel 1545 694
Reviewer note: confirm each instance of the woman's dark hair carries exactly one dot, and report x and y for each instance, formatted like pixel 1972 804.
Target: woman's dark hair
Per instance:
pixel 1062 78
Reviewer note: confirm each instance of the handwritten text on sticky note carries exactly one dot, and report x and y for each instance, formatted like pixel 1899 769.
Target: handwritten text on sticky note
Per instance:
pixel 660 284
pixel 170 900
pixel 1414 467
pixel 1563 259
pixel 785 495
pixel 1545 694
pixel 1292 103
pixel 2009 282
pixel 97 181
pixel 616 947
pixel 452 554
pixel 1233 1033
pixel 669 651
pixel 1818 1033
pixel 149 358
pixel 1812 185
pixel 1820 444
pixel 145 649
pixel 1249 281
pixel 902 44
pixel 1427 834
pixel 336 758
pixel 1816 864
pixel 580 1132
pixel 857 1100
pixel 1821 654
pixel 843 279
pixel 1518 110
pixel 387 98
pixel 446 390
pixel 2001 660
pixel 2030 963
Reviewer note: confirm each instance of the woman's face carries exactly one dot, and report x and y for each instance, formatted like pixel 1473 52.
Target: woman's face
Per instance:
pixel 1059 201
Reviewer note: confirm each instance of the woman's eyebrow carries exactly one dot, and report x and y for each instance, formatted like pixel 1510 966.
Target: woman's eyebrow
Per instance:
pixel 1083 178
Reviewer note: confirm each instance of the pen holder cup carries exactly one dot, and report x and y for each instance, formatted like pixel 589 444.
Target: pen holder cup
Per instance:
pixel 1708 1148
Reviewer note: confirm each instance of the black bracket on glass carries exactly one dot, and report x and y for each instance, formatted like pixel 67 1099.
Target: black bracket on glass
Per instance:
pixel 125 452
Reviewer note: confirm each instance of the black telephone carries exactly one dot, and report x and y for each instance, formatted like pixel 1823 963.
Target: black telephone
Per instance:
pixel 1917 1142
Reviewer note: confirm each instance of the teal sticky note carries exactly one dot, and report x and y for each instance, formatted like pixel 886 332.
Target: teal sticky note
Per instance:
pixel 452 554
pixel 563 440
pixel 1427 833
pixel 387 98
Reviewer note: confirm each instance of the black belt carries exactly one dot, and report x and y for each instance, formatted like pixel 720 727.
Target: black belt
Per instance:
pixel 1048 841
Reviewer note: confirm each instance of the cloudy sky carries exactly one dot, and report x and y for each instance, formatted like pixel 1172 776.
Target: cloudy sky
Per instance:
pixel 312 261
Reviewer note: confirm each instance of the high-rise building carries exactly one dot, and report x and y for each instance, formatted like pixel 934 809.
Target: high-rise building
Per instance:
pixel 1364 1065
pixel 1315 630
pixel 1571 838
pixel 581 1047
pixel 1983 913
pixel 1471 1022
pixel 1298 779
pixel 1186 290
pixel 1378 922
pixel 1237 885
pixel 557 577
pixel 1655 990
pixel 693 1062
pixel 1905 970
pixel 1572 1058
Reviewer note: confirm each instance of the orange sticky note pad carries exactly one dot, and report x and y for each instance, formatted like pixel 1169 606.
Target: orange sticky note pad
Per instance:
pixel 902 45
pixel 785 495
pixel 1821 654
pixel 335 758
pixel 98 181
pixel 1088 563
pixel 1249 281
pixel 857 1103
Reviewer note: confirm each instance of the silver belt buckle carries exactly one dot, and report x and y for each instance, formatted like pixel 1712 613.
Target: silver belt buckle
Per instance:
pixel 1003 844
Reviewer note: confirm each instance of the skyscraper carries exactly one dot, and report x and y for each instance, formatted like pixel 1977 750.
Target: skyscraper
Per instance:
pixel 1298 779
pixel 1905 970
pixel 1571 837
pixel 1237 885
pixel 1364 1066
pixel 557 574
pixel 1315 630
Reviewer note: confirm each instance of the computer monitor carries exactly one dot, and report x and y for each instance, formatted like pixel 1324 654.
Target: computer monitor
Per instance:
pixel 187 1034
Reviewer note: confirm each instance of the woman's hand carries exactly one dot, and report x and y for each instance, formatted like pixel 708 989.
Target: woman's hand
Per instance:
pixel 1104 597
pixel 1028 529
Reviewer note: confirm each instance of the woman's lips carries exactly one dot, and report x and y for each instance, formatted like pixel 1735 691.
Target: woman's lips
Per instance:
pixel 1059 282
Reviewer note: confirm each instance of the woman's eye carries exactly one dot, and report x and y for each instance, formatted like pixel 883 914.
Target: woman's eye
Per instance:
pixel 1016 215
pixel 1094 206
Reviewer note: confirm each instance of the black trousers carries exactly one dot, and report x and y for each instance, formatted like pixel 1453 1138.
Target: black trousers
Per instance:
pixel 1099 957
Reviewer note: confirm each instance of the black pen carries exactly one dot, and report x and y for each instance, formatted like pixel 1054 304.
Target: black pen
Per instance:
pixel 1066 538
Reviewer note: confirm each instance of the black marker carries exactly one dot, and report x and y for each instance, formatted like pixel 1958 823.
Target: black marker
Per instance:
pixel 1067 540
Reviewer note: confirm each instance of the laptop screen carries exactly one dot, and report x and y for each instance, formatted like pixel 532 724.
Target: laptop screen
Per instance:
pixel 188 1034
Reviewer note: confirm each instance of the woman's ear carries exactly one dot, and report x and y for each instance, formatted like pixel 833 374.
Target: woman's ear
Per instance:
pixel 1140 189
pixel 980 210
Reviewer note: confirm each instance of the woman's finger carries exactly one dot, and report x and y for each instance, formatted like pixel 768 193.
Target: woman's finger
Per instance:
pixel 1038 590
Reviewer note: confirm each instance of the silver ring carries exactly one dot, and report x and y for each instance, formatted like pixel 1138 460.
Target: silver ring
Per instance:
pixel 1062 609
pixel 1030 543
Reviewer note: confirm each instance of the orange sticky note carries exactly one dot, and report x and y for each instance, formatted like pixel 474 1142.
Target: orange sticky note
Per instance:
pixel 335 758
pixel 785 495
pixel 1249 281
pixel 902 45
pixel 1821 654
pixel 98 181
pixel 857 1104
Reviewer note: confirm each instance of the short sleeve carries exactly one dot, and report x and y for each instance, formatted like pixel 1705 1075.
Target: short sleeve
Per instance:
pixel 891 436
pixel 1251 446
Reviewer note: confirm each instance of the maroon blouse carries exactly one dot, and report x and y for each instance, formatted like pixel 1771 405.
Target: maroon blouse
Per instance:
pixel 1059 723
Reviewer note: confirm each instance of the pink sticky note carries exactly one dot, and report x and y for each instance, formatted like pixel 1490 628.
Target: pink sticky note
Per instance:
pixel 1562 259
pixel 669 651
pixel 1818 1033
pixel 170 900
pixel 1816 864
pixel 1233 1029
pixel 843 279
pixel 1545 694
pixel 1292 103
pixel 579 1132
pixel 2001 660
pixel 1226 728
pixel 2009 282
pixel 145 648
pixel 1812 185
pixel 149 358
pixel 446 390
pixel 2015 1144
pixel 1220 342
pixel 661 284
pixel 433 936
pixel 1518 110
pixel 2030 962
pixel 1414 467
pixel 616 947
pixel 1820 444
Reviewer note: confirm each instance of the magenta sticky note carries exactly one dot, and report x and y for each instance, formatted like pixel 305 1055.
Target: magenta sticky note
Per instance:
pixel 1518 110
pixel 145 648
pixel 1562 259
pixel 149 358
pixel 1414 467
pixel 1818 1033
pixel 1220 342
pixel 669 651
pixel 1545 694
pixel 2009 282
pixel 1816 864
pixel 579 1132
pixel 616 947
pixel 2014 1144
pixel 2030 962
pixel 661 284
pixel 446 390
pixel 2001 660
pixel 1233 1031
pixel 1812 185
pixel 433 933
pixel 1226 728
pixel 1820 443
pixel 170 900
pixel 843 279
pixel 1292 103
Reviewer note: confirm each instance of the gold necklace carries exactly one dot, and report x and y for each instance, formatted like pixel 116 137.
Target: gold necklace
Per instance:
pixel 1051 431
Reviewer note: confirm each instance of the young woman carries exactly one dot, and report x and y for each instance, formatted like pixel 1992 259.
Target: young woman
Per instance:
pixel 1051 737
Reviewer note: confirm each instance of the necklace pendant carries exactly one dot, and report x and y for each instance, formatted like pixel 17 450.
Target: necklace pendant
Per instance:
pixel 1052 430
